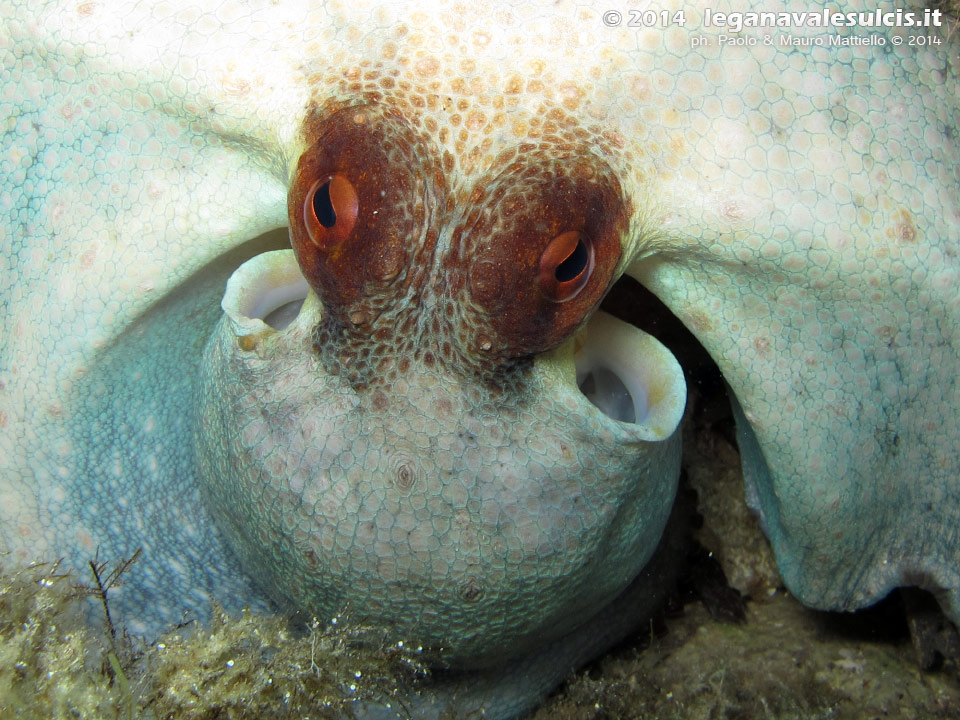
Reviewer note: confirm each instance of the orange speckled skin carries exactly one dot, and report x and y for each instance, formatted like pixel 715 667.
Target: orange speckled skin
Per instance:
pixel 793 199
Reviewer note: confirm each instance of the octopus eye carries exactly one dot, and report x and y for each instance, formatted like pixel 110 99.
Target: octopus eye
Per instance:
pixel 330 210
pixel 566 266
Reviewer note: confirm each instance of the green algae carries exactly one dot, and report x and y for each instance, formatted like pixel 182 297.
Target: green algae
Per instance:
pixel 257 667
pixel 51 665
pixel 782 664
pixel 785 662
pixel 54 664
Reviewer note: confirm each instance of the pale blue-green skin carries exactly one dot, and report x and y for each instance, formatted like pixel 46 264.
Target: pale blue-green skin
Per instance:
pixel 798 209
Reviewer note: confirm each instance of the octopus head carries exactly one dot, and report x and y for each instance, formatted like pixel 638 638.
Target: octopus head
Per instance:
pixel 416 415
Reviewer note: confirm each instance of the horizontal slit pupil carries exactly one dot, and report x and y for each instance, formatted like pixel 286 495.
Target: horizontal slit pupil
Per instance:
pixel 323 206
pixel 574 264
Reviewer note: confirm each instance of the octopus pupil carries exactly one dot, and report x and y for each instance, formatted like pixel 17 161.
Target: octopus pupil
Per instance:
pixel 323 206
pixel 573 265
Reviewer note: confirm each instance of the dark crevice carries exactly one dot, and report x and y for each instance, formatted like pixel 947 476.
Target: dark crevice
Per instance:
pixel 631 302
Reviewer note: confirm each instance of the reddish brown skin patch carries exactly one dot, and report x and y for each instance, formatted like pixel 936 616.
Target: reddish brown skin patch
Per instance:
pixel 443 273
pixel 904 228
pixel 379 157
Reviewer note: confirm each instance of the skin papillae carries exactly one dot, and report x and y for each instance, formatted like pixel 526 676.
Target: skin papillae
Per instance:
pixel 414 446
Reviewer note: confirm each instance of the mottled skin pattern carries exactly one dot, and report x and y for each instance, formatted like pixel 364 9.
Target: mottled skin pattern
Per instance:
pixel 797 208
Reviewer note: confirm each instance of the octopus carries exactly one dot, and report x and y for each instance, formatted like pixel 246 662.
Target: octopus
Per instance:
pixel 300 299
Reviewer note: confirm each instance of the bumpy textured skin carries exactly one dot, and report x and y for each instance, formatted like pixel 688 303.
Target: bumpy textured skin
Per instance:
pixel 483 518
pixel 797 208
